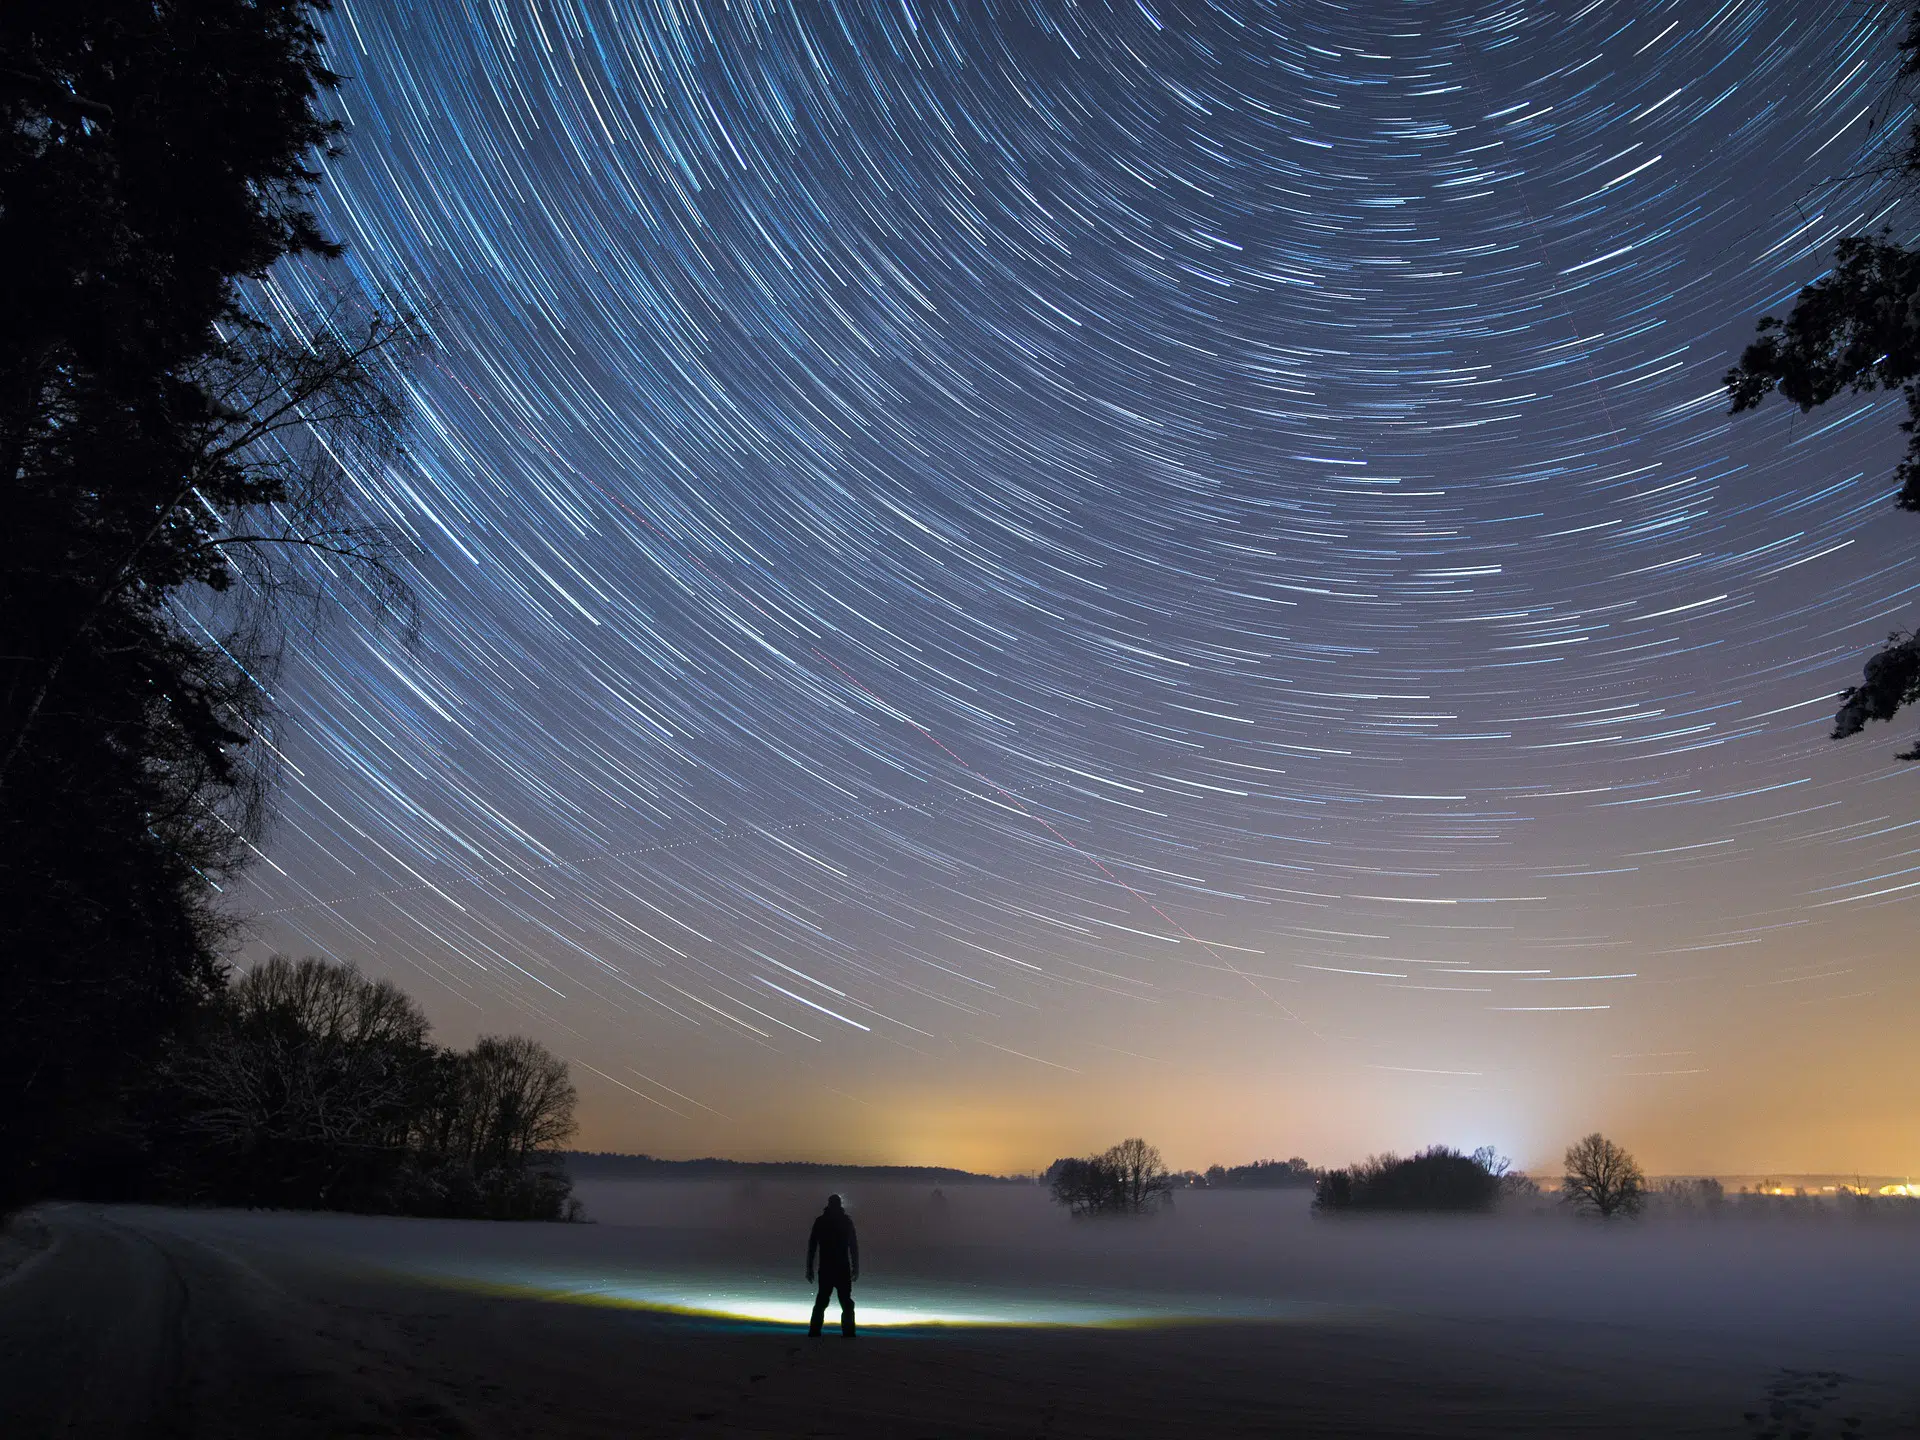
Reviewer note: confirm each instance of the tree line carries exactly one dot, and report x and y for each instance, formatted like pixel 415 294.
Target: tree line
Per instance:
pixel 1601 1178
pixel 173 460
pixel 1290 1174
pixel 308 1085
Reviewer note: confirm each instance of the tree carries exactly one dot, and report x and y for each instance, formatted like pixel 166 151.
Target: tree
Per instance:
pixel 303 1090
pixel 520 1100
pixel 1126 1179
pixel 1333 1190
pixel 309 1084
pixel 1079 1184
pixel 1438 1178
pixel 1139 1175
pixel 488 1130
pixel 162 448
pixel 1603 1178
pixel 1856 330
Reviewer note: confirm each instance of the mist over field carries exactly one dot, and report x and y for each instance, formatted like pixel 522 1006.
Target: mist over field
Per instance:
pixel 1830 1290
pixel 1839 1284
pixel 680 1308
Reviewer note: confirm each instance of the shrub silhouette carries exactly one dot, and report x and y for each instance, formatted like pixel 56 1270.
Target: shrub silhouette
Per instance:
pixel 1438 1178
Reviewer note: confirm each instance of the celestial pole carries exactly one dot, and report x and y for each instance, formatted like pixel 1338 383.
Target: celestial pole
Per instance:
pixel 942 528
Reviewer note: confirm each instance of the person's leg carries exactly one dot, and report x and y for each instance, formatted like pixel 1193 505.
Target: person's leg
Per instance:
pixel 846 1307
pixel 820 1306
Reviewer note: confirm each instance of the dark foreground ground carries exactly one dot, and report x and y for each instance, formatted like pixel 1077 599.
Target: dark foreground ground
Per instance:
pixel 155 1323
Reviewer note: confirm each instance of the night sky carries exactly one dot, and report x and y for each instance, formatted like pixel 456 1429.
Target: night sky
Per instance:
pixel 999 576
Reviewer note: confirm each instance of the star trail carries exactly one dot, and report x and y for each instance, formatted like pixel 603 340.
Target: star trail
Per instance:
pixel 992 574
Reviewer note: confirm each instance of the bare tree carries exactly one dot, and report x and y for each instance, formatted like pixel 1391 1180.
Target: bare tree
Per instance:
pixel 334 1004
pixel 1139 1175
pixel 519 1099
pixel 313 1085
pixel 1126 1179
pixel 1603 1177
pixel 309 1079
pixel 1511 1185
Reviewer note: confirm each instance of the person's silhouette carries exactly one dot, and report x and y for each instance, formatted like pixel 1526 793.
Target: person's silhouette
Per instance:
pixel 834 1241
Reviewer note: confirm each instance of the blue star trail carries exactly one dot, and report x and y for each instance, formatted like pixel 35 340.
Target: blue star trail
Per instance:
pixel 1042 531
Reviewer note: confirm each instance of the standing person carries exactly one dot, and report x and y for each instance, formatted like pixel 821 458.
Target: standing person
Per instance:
pixel 838 1247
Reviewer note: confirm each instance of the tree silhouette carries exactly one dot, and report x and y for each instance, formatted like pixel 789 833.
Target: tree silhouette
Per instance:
pixel 1126 1179
pixel 1603 1178
pixel 309 1084
pixel 304 1089
pixel 161 448
pixel 1857 330
pixel 1263 1174
pixel 520 1101
pixel 1140 1175
pixel 1438 1178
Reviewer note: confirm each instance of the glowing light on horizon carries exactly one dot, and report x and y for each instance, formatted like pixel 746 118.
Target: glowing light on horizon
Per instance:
pixel 952 536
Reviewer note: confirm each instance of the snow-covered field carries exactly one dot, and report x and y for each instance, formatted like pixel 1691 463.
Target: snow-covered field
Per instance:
pixel 984 1312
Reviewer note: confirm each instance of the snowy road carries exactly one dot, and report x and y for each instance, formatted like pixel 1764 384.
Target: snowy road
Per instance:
pixel 119 1328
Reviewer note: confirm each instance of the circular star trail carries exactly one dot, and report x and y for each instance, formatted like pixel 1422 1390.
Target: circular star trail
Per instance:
pixel 1021 550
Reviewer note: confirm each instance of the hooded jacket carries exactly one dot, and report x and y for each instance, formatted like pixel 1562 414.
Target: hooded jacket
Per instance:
pixel 834 1240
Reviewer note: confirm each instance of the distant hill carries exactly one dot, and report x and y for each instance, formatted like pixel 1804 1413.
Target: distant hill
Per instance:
pixel 601 1165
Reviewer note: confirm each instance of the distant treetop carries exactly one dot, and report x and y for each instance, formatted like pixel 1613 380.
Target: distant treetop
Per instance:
pixel 1294 1173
